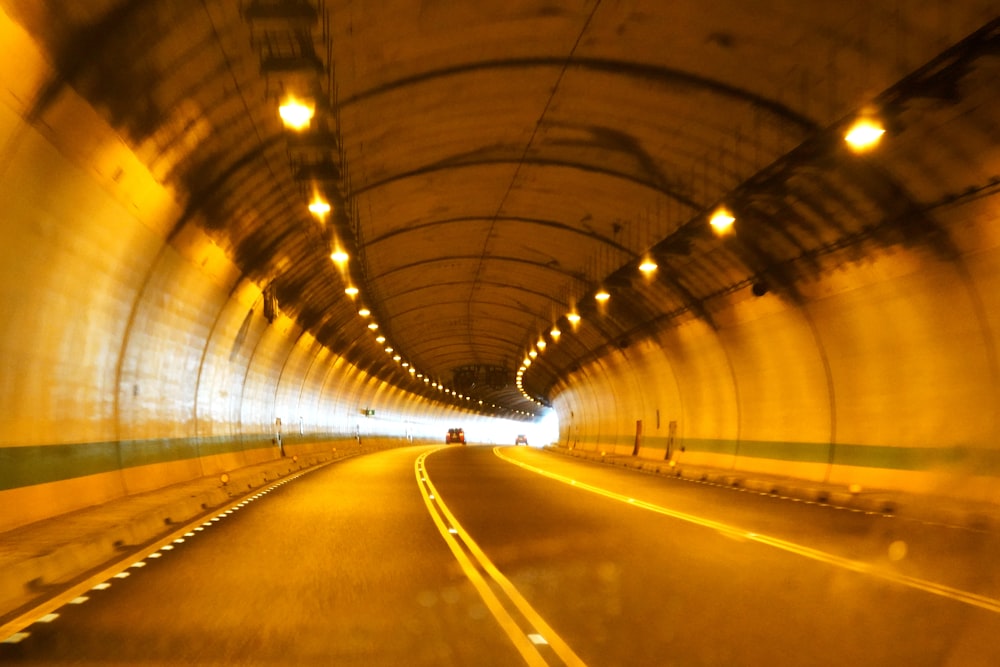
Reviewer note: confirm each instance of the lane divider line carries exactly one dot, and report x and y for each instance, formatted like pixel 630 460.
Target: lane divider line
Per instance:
pixel 16 629
pixel 456 537
pixel 942 590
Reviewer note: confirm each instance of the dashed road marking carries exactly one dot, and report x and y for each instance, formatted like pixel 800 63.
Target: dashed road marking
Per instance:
pixel 477 567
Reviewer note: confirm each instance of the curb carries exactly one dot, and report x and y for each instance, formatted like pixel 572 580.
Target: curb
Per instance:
pixel 948 511
pixel 26 581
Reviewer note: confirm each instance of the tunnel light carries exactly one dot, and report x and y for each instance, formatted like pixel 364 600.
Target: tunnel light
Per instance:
pixel 351 291
pixel 380 339
pixel 648 266
pixel 533 354
pixel 389 350
pixel 527 362
pixel 396 357
pixel 602 296
pixel 339 256
pixel 412 371
pixel 722 221
pixel 296 114
pixel 864 135
pixel 555 333
pixel 541 344
pixel 427 380
pixel 573 318
pixel 373 326
pixel 319 208
pixel 364 312
pixel 406 364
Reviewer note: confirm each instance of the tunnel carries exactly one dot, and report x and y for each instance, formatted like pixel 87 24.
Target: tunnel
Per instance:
pixel 724 241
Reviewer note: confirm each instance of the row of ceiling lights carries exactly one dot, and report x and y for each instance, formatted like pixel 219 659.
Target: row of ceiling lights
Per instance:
pixel 863 135
pixel 297 115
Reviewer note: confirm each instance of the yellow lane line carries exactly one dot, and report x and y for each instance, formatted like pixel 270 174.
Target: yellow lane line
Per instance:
pixel 966 597
pixel 452 532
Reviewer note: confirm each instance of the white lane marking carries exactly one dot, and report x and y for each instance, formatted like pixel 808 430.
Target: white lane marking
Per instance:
pixel 79 600
pixel 16 638
pixel 559 646
pixel 537 639
pixel 155 554
pixel 529 653
pixel 967 597
pixel 121 575
pixel 138 564
pixel 48 618
pixel 97 580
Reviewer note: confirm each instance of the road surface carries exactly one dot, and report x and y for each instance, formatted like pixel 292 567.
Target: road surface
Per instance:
pixel 514 556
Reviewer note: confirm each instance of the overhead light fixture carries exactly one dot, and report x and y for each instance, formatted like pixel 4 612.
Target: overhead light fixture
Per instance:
pixel 722 221
pixel 405 364
pixel 541 344
pixel 364 312
pixel 389 350
pixel 351 291
pixel 373 326
pixel 380 339
pixel 573 318
pixel 339 256
pixel 296 114
pixel 864 134
pixel 319 208
pixel 555 333
pixel 648 266
pixel 602 295
pixel 396 357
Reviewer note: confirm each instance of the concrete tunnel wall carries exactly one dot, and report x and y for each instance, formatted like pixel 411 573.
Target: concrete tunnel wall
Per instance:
pixel 884 375
pixel 131 362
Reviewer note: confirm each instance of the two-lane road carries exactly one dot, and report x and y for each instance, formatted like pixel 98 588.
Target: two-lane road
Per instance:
pixel 470 556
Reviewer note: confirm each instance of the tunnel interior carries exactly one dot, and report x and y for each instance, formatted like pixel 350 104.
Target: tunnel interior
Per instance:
pixel 496 213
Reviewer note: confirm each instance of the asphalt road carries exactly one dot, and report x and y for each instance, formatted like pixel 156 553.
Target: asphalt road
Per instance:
pixel 462 557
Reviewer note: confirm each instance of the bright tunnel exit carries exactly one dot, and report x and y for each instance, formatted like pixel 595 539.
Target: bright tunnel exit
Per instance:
pixel 540 433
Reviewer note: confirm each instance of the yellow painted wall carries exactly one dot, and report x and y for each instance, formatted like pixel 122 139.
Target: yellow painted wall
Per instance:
pixel 884 375
pixel 130 362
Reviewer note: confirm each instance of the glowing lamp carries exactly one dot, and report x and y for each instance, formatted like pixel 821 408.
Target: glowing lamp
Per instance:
pixel 722 221
pixel 319 208
pixel 864 134
pixel 296 115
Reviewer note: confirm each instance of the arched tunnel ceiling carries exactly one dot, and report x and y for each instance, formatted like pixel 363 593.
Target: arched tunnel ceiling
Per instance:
pixel 491 164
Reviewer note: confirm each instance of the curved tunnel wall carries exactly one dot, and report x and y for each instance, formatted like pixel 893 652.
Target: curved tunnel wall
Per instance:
pixel 885 375
pixel 131 362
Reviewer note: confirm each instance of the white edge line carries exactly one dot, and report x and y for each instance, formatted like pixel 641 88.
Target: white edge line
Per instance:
pixel 973 599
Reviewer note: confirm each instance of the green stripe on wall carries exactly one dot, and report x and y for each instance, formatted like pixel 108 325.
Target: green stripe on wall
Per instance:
pixel 979 461
pixel 40 464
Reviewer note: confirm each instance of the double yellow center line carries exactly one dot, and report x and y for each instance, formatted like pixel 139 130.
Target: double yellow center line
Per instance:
pixel 533 638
